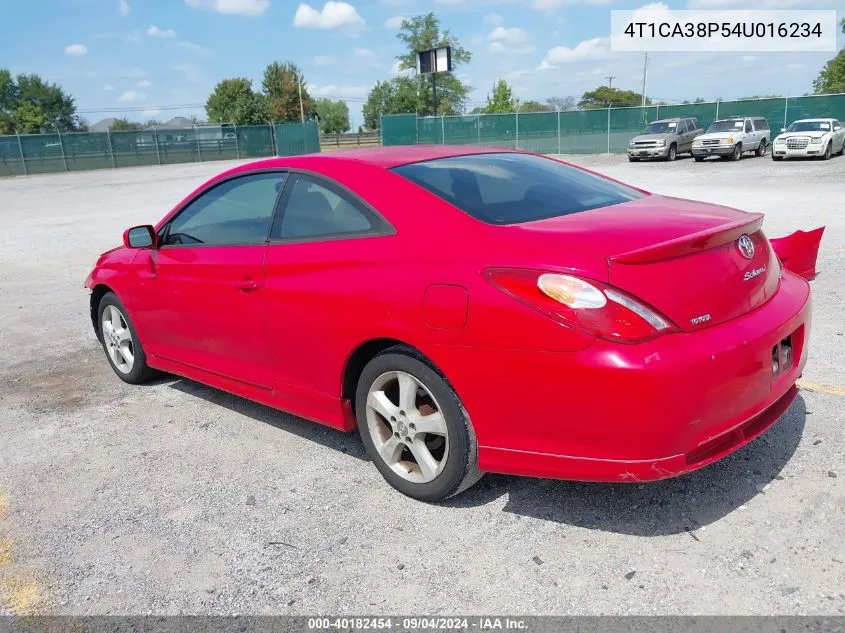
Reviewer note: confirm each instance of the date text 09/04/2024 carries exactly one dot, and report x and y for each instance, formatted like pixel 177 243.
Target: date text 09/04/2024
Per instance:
pixel 723 29
pixel 432 623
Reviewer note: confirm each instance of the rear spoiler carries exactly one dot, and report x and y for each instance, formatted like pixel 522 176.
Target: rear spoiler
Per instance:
pixel 799 251
pixel 684 245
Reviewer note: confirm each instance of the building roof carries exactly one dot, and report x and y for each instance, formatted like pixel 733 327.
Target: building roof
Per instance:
pixel 102 126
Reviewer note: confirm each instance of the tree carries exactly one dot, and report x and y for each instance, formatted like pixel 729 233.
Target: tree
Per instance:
pixel 533 106
pixel 281 85
pixel 562 104
pixel 234 101
pixel 397 96
pixel 423 33
pixel 606 97
pixel 333 115
pixel 831 78
pixel 501 100
pixel 124 125
pixel 760 97
pixel 30 105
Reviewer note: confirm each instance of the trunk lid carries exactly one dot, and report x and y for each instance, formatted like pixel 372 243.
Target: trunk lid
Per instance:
pixel 683 258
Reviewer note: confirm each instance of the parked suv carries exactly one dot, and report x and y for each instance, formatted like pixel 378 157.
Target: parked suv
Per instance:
pixel 665 139
pixel 730 138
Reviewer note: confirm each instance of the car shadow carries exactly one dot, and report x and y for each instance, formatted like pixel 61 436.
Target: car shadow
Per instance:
pixel 670 506
pixel 348 443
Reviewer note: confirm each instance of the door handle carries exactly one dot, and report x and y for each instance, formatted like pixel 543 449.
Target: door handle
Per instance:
pixel 247 285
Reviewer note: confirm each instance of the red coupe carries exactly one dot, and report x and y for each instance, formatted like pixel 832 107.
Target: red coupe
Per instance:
pixel 467 310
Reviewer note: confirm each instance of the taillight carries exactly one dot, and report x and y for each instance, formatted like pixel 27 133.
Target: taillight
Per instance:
pixel 587 305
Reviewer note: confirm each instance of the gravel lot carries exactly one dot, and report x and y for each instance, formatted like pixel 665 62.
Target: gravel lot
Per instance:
pixel 175 498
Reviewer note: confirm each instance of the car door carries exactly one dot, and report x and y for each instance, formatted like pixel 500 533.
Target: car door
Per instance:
pixel 323 260
pixel 751 136
pixel 838 135
pixel 201 292
pixel 689 134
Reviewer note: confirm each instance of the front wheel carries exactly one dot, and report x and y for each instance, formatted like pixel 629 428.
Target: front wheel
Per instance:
pixel 414 427
pixel 777 157
pixel 737 153
pixel 827 152
pixel 761 148
pixel 120 342
pixel 698 159
pixel 673 153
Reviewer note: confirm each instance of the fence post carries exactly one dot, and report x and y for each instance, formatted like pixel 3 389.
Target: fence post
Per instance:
pixel 237 143
pixel 62 147
pixel 717 110
pixel 20 149
pixel 785 110
pixel 558 132
pixel 274 144
pixel 197 139
pixel 158 153
pixel 111 150
pixel 608 129
pixel 443 130
pixel 516 145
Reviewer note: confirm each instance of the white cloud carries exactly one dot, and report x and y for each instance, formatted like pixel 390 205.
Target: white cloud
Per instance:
pixel 154 31
pixel 338 92
pixel 144 83
pixel 493 19
pixel 108 88
pixel 324 60
pixel 513 41
pixel 76 50
pixel 596 48
pixel 123 8
pixel 130 96
pixel 195 48
pixel 334 15
pixel 248 8
pixel 394 23
pixel 364 53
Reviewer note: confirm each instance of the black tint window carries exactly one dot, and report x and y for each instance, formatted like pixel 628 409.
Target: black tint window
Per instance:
pixel 682 127
pixel 748 128
pixel 236 212
pixel 315 208
pixel 511 188
pixel 761 124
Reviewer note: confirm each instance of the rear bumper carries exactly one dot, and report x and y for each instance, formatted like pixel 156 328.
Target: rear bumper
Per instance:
pixel 641 412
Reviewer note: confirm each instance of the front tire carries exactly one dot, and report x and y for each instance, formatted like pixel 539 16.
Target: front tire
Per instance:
pixel 120 342
pixel 673 153
pixel 776 157
pixel 414 427
pixel 737 153
pixel 698 159
pixel 828 151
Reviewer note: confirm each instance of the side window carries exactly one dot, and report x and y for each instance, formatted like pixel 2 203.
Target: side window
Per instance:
pixel 837 125
pixel 315 208
pixel 761 124
pixel 234 213
pixel 682 127
pixel 748 128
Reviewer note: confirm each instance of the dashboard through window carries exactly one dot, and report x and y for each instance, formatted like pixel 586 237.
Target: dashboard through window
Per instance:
pixel 511 188
pixel 236 212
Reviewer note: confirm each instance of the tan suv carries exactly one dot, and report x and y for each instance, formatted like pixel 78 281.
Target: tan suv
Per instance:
pixel 665 139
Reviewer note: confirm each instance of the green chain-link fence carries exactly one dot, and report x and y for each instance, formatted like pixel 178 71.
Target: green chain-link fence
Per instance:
pixel 77 151
pixel 592 131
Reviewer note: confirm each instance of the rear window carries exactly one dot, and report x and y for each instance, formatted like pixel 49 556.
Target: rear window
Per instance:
pixel 511 188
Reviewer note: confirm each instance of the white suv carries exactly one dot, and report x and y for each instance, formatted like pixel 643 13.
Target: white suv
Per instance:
pixel 730 138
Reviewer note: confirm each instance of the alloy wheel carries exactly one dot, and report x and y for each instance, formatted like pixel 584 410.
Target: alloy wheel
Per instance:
pixel 117 338
pixel 407 426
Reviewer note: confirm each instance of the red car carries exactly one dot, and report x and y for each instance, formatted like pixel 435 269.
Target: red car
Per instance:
pixel 467 310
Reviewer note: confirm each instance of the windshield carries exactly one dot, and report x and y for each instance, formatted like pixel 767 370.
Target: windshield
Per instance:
pixel 809 126
pixel 510 188
pixel 728 125
pixel 661 127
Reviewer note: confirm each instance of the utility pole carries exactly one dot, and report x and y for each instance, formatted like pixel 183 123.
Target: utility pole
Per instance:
pixel 301 108
pixel 645 74
pixel 610 81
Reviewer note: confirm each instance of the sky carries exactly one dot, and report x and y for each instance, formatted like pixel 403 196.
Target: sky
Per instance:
pixel 155 59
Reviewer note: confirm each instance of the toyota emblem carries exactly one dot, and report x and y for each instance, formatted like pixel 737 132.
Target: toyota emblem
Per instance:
pixel 745 246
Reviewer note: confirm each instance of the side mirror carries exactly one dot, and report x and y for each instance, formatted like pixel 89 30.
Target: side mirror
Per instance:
pixel 782 130
pixel 139 237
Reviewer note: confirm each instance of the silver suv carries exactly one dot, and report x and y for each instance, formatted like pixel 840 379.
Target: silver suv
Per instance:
pixel 665 139
pixel 730 138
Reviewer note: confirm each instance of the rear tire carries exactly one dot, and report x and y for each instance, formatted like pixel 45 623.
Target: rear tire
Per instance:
pixel 120 342
pixel 842 149
pixel 761 148
pixel 399 393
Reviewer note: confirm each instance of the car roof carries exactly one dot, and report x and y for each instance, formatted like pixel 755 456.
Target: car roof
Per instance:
pixel 819 120
pixel 387 157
